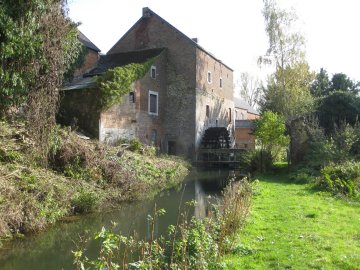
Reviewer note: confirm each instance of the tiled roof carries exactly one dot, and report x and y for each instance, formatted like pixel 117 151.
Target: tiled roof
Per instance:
pixel 121 59
pixel 87 42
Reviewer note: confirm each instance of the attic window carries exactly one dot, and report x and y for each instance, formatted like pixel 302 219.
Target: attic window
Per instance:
pixel 153 72
pixel 209 78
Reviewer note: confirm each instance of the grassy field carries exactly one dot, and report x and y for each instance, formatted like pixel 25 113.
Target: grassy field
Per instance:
pixel 292 226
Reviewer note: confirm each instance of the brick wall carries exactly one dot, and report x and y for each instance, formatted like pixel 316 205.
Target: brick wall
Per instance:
pixel 90 62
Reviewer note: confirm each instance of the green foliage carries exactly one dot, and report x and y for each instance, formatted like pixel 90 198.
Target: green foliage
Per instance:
pixel 117 82
pixel 85 201
pixel 135 145
pixel 341 179
pixel 338 148
pixel 9 156
pixel 288 92
pixel 321 84
pixel 337 108
pixel 270 131
pixel 258 160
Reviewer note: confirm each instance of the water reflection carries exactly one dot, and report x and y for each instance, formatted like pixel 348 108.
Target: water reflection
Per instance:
pixel 52 249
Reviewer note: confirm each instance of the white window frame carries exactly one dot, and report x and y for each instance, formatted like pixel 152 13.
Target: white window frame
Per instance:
pixel 151 72
pixel 157 102
pixel 207 78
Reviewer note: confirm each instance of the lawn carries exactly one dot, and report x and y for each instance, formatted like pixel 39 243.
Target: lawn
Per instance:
pixel 294 227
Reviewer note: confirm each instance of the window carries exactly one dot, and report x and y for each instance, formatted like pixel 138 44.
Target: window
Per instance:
pixel 221 84
pixel 132 97
pixel 153 72
pixel 209 78
pixel 153 103
pixel 229 114
pixel 207 110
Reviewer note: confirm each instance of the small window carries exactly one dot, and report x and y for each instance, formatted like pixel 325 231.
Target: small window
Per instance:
pixel 229 114
pixel 221 83
pixel 153 103
pixel 207 110
pixel 153 72
pixel 209 78
pixel 132 97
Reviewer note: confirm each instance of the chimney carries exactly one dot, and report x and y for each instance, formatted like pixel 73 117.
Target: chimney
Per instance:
pixel 146 12
pixel 195 40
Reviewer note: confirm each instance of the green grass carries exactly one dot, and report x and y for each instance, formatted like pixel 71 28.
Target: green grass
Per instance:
pixel 292 226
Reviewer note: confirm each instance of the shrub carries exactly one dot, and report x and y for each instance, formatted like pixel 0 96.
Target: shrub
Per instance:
pixel 85 201
pixel 135 146
pixel 341 179
pixel 257 160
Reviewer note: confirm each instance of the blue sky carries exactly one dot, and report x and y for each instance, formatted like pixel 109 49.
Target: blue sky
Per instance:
pixel 233 30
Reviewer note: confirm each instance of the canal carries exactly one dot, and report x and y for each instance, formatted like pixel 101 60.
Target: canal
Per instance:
pixel 52 248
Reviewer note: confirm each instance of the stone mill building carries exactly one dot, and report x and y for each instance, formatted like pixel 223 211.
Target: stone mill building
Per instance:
pixel 186 91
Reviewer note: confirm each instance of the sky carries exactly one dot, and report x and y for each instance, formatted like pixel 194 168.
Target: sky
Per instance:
pixel 233 30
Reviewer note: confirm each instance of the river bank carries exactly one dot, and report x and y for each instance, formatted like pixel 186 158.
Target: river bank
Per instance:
pixel 82 176
pixel 293 226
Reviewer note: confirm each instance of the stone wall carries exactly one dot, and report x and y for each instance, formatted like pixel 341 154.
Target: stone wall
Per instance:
pixel 179 119
pixel 218 98
pixel 131 117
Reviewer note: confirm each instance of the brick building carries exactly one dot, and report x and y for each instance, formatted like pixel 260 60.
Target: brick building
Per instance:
pixel 244 116
pixel 186 91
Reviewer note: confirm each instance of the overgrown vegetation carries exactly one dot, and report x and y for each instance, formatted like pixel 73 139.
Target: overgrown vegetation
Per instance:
pixel 190 244
pixel 38 44
pixel 82 176
pixel 116 82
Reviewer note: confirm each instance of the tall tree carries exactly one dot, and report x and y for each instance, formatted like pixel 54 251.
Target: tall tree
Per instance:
pixel 250 89
pixel 288 89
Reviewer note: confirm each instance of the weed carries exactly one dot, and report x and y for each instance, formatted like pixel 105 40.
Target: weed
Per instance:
pixel 85 201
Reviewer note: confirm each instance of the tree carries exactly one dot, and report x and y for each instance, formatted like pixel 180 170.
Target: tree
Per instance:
pixel 270 131
pixel 250 89
pixel 288 89
pixel 38 42
pixel 341 82
pixel 321 84
pixel 338 108
pixel 288 92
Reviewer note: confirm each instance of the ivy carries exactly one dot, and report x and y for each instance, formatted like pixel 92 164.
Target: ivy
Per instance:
pixel 116 82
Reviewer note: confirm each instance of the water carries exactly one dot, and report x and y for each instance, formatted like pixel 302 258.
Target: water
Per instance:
pixel 52 249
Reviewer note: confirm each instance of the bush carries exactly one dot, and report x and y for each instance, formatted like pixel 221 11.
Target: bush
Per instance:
pixel 135 146
pixel 85 201
pixel 257 160
pixel 341 179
